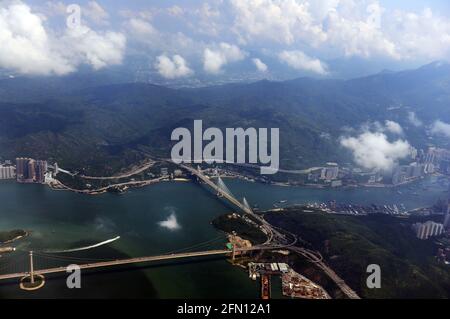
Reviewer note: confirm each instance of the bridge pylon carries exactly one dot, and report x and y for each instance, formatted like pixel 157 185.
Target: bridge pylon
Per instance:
pixel 29 283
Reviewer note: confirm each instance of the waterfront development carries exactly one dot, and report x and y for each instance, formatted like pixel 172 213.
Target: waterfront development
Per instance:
pixel 160 219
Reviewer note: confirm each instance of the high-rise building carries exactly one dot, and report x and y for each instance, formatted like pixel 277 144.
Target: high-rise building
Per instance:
pixel 31 178
pixel 30 170
pixel 398 179
pixel 22 169
pixel 428 229
pixel 330 173
pixel 40 170
pixel 7 172
pixel 417 170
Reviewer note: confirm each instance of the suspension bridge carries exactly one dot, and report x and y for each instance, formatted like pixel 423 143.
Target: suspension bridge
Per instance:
pixel 35 264
pixel 32 272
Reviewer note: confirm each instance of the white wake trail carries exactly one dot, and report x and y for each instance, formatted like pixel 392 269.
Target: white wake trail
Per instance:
pixel 103 243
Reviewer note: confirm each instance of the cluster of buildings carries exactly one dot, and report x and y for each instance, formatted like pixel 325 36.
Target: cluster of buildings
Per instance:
pixel 7 171
pixel 424 162
pixel 29 170
pixel 436 160
pixel 329 174
pixel 428 229
pixel 406 173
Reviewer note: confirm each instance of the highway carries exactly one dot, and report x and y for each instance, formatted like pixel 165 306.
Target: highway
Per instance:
pixel 316 258
pixel 133 172
pixel 276 236
pixel 106 188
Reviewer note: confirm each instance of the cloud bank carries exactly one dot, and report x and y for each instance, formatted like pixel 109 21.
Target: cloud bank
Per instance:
pixel 393 127
pixel 260 66
pixel 302 34
pixel 28 47
pixel 373 150
pixel 172 68
pixel 300 61
pixel 441 128
pixel 215 59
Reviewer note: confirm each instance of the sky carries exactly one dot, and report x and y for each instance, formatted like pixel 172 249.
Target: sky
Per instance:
pixel 185 39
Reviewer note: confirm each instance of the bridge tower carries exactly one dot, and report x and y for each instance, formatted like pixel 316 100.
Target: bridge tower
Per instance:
pixel 31 268
pixel 29 283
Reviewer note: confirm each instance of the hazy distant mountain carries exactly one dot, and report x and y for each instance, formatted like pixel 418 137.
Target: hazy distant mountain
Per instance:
pixel 82 120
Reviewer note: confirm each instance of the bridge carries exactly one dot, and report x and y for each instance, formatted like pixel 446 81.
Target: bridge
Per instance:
pixel 120 262
pixel 274 236
pixel 275 240
pixel 222 191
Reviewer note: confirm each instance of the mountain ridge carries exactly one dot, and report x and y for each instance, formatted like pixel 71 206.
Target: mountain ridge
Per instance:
pixel 311 113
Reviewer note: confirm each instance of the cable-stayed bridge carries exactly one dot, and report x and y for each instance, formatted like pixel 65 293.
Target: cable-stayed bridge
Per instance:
pixel 39 263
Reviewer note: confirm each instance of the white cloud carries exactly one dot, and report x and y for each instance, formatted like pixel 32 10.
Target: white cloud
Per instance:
pixel 373 150
pixel 28 48
pixel 424 35
pixel 92 11
pixel 141 27
pixel 172 68
pixel 260 66
pixel 25 45
pixel 344 28
pixel 153 41
pixel 414 120
pixel 300 61
pixel 94 48
pixel 441 128
pixel 175 11
pixel 95 13
pixel 280 21
pixel 393 127
pixel 215 59
pixel 353 34
pixel 171 223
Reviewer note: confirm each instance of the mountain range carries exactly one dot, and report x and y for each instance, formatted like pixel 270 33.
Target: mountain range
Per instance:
pixel 86 120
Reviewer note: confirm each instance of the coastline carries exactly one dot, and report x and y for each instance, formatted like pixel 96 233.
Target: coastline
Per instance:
pixel 10 241
pixel 59 186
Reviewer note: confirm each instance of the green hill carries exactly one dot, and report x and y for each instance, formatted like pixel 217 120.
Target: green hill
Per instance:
pixel 350 244
pixel 85 122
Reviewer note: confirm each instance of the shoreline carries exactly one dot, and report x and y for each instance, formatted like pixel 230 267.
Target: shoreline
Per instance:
pixel 59 186
pixel 10 241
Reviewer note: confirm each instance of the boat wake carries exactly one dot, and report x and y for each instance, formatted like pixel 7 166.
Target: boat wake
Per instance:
pixel 103 243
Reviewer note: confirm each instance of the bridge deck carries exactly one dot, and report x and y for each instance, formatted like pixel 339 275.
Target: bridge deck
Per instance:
pixel 121 262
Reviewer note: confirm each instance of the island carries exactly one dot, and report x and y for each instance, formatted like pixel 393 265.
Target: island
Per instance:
pixel 7 237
